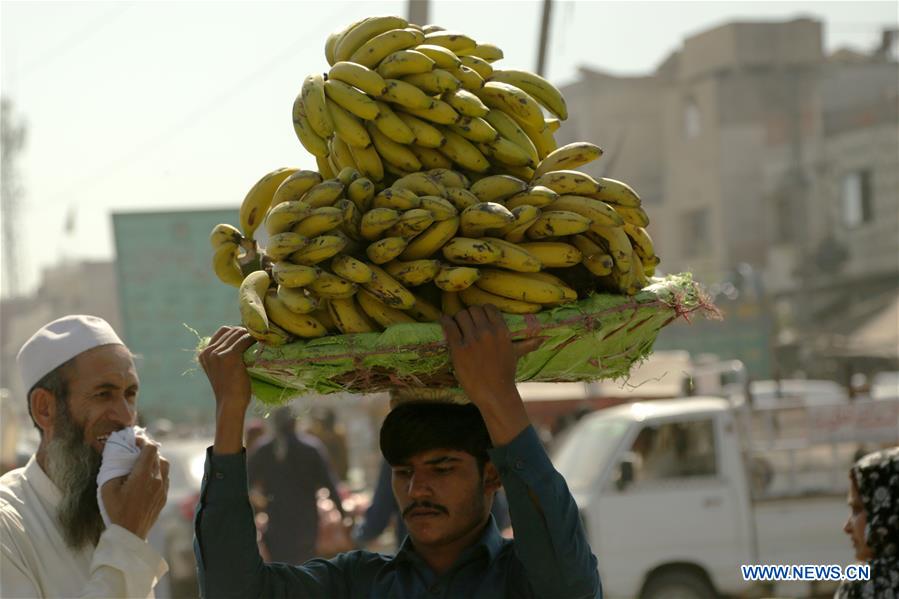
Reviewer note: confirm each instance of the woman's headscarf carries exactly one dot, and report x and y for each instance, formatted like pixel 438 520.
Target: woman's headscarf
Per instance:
pixel 877 478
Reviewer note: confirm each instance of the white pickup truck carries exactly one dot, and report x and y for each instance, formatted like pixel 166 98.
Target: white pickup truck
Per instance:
pixel 677 494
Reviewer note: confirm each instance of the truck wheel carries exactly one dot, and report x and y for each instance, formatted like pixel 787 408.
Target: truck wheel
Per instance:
pixel 678 584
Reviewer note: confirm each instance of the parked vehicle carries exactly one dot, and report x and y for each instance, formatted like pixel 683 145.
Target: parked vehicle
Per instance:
pixel 677 494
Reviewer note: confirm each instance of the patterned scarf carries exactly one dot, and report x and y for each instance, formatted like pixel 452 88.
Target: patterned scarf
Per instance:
pixel 877 476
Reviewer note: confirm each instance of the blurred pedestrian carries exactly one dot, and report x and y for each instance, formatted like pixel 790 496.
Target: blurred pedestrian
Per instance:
pixel 254 433
pixel 82 387
pixel 287 471
pixel 324 426
pixel 873 525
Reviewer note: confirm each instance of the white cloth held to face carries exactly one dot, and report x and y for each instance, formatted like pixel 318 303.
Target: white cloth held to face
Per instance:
pixel 119 456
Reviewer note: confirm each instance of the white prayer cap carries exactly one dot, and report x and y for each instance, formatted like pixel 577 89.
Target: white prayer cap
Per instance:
pixel 59 341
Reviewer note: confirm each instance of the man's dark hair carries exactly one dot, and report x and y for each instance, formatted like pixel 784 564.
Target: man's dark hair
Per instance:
pixel 418 426
pixel 56 382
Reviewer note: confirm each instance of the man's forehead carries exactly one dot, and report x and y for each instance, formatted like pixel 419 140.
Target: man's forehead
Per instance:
pixel 108 362
pixel 438 455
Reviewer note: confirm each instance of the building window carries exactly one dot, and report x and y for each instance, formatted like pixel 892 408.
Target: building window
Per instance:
pixel 856 198
pixel 692 125
pixel 696 231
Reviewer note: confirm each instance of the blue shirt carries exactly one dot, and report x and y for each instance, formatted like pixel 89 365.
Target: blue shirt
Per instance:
pixel 549 557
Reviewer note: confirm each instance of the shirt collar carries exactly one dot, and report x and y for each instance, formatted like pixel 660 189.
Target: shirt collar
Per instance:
pixel 490 541
pixel 38 479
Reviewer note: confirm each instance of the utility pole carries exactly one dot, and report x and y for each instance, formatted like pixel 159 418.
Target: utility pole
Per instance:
pixel 544 37
pixel 12 140
pixel 418 12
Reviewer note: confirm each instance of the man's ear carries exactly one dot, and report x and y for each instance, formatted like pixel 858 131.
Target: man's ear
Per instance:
pixel 492 481
pixel 43 409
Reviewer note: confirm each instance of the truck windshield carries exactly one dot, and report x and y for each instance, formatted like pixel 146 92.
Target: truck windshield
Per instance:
pixel 584 453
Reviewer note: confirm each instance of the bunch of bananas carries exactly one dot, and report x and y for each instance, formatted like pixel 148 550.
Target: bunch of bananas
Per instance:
pixel 349 255
pixel 400 98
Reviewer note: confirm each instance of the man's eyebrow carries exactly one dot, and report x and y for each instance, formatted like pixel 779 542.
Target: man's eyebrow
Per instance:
pixel 442 459
pixel 113 386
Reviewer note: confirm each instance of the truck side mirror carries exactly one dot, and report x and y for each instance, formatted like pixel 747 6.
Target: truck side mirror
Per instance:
pixel 625 474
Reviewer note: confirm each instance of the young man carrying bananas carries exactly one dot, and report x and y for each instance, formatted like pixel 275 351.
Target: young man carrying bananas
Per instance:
pixel 448 461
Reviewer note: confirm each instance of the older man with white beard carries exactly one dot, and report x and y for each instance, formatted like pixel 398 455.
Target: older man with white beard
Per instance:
pixel 82 387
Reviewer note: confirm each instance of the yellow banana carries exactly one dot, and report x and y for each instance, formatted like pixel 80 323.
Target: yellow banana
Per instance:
pixel 319 249
pixel 468 78
pixel 536 195
pixel 331 46
pixel 380 312
pixel 569 183
pixel 514 257
pixel 541 137
pixel 386 249
pixel 295 186
pixel 456 278
pixel 359 76
pixel 599 264
pixel 443 58
pixel 619 245
pixel 323 194
pixel 512 100
pixel 616 193
pixel 633 216
pixel 516 231
pixel 368 162
pixel 497 188
pixel 313 93
pixel 414 272
pixel 537 87
pixel 351 269
pixel 324 316
pixel 429 242
pixel 448 177
pixel 348 317
pixel 324 166
pixel 392 125
pixel 475 129
pixel 640 240
pixel 438 112
pixel 511 155
pixel 488 52
pixel 464 250
pixel 420 184
pixel 259 198
pixel 554 254
pixel 389 290
pixel 439 208
pixel 426 134
pixel 341 155
pixel 297 300
pixel 225 233
pixel 477 219
pixel 478 65
pixel 365 30
pixel 319 221
pixel 558 223
pixel 569 157
pixel 348 127
pixel 475 296
pixel 450 40
pixel 509 129
pixel 411 223
pixel 398 198
pixel 293 275
pixel 312 141
pixel 285 215
pixel 351 99
pixel 466 103
pixel 461 198
pixel 225 264
pixel 521 286
pixel 381 46
pixel 462 152
pixel 450 303
pixel 424 311
pixel 552 124
pixel 301 325
pixel 329 285
pixel 250 301
pixel 406 95
pixel 376 221
pixel 430 158
pixel 434 82
pixel 390 151
pixel 352 219
pixel 360 192
pixel 347 175
pixel 650 264
pixel 282 245
pixel 600 213
pixel 404 62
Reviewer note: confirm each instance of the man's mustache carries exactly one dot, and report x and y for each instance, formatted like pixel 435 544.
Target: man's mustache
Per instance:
pixel 425 505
